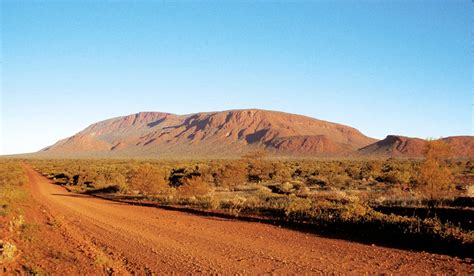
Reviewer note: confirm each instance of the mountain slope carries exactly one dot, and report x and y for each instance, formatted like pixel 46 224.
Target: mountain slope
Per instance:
pixel 401 146
pixel 226 133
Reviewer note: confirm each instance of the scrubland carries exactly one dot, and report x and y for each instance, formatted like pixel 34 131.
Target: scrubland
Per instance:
pixel 419 204
pixel 394 202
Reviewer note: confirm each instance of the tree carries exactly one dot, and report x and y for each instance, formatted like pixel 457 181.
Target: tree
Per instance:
pixel 193 187
pixel 231 175
pixel 435 178
pixel 148 179
pixel 259 170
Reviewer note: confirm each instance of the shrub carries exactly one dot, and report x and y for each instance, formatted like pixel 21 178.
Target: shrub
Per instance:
pixel 470 191
pixel 148 180
pixel 370 170
pixel 234 205
pixel 231 175
pixel 280 172
pixel 193 187
pixel 316 181
pixel 119 180
pixel 340 180
pixel 354 212
pixel 285 188
pixel 178 176
pixel 210 202
pixel 8 251
pixel 298 208
pixel 259 170
pixel 435 179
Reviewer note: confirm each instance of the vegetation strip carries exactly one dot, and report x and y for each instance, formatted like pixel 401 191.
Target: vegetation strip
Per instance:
pixel 357 199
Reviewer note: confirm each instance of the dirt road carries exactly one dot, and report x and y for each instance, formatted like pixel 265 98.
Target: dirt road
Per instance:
pixel 143 239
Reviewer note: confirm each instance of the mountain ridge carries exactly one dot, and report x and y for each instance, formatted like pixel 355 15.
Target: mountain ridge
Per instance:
pixel 403 146
pixel 233 133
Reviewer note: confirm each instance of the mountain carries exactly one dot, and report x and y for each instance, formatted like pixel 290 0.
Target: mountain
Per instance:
pixel 234 133
pixel 401 146
pixel 218 134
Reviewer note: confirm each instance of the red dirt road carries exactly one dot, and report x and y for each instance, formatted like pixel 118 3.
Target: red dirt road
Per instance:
pixel 143 239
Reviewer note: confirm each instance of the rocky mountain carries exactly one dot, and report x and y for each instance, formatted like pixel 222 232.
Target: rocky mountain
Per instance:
pixel 219 134
pixel 400 146
pixel 234 133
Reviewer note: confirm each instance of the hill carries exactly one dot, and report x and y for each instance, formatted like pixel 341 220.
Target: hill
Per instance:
pixel 401 146
pixel 218 134
pixel 234 133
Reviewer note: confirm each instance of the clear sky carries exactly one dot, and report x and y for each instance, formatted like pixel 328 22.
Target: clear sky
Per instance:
pixel 388 67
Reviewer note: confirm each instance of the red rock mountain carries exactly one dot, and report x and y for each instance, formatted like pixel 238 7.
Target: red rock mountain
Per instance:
pixel 400 146
pixel 219 134
pixel 234 133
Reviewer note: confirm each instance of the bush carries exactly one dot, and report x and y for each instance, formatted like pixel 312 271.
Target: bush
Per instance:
pixel 193 187
pixel 231 175
pixel 317 181
pixel 8 251
pixel 148 180
pixel 178 176
pixel 298 208
pixel 285 188
pixel 435 178
pixel 234 205
pixel 259 170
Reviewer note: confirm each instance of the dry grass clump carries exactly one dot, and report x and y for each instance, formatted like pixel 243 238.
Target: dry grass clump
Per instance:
pixel 470 191
pixel 8 251
pixel 234 205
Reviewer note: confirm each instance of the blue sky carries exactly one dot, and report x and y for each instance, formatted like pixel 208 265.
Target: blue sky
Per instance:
pixel 388 67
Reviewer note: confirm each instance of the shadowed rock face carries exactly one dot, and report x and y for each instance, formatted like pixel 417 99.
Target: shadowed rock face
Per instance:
pixel 400 146
pixel 226 133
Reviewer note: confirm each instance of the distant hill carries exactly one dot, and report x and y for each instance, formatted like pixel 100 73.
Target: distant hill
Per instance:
pixel 220 134
pixel 400 146
pixel 234 133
